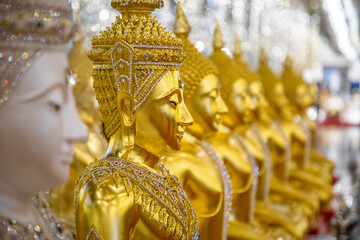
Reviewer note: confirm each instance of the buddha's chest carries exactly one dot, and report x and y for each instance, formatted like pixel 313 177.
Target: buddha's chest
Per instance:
pixel 166 212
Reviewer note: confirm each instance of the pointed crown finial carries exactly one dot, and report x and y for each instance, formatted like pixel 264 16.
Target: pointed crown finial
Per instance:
pixel 181 25
pixel 263 55
pixel 237 46
pixel 218 40
pixel 288 61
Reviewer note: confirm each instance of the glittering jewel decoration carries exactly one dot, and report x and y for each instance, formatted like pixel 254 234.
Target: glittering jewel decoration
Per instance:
pixel 228 192
pixel 159 194
pixel 13 64
pixel 27 27
pixel 268 160
pixel 12 229
pixel 277 125
pixel 93 235
pixel 302 123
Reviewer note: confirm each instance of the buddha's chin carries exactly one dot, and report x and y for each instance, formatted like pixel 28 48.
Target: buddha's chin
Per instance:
pixel 214 126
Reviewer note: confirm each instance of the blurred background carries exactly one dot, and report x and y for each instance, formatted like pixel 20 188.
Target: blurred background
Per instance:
pixel 321 36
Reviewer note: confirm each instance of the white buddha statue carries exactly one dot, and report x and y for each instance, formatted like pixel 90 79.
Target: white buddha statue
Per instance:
pixel 38 119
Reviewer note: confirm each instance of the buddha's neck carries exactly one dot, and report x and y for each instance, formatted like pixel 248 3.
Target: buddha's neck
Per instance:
pixel 136 153
pixel 16 204
pixel 264 118
pixel 190 138
pixel 238 125
pixel 230 120
pixel 287 115
pixel 241 129
pixel 299 108
pixel 199 131
pixel 115 147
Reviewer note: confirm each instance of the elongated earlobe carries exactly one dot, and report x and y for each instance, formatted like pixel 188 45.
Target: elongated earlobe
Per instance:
pixel 126 106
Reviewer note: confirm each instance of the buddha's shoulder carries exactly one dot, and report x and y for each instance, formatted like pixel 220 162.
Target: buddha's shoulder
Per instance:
pixel 108 174
pixel 100 180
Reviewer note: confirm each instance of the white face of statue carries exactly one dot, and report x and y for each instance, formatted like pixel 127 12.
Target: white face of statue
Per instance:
pixel 38 125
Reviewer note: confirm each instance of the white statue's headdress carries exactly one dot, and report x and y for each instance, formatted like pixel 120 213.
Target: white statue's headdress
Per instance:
pixel 27 28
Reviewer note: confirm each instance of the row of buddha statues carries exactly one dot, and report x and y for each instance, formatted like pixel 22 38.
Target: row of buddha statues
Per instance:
pixel 183 146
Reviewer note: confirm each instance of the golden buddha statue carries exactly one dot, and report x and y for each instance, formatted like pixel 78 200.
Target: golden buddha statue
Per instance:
pixel 280 189
pixel 128 194
pixel 62 198
pixel 302 96
pixel 201 172
pixel 300 175
pixel 294 204
pixel 236 156
pixel 261 113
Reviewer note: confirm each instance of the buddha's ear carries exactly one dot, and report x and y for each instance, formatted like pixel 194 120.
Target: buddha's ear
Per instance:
pixel 125 105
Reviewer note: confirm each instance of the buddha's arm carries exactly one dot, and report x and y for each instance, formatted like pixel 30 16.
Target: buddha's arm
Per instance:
pixel 270 214
pixel 303 175
pixel 286 189
pixel 208 201
pixel 319 158
pixel 240 179
pixel 203 189
pixel 107 210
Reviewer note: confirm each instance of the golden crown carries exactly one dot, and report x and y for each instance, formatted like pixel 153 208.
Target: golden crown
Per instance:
pixel 131 56
pixel 229 71
pixel 195 66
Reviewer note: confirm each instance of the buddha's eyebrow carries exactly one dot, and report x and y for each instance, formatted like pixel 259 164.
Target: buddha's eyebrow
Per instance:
pixel 43 90
pixel 37 94
pixel 172 92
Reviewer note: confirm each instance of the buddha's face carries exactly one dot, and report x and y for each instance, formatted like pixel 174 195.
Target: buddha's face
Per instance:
pixel 206 104
pixel 162 118
pixel 86 103
pixel 241 102
pixel 280 99
pixel 38 126
pixel 257 94
pixel 303 96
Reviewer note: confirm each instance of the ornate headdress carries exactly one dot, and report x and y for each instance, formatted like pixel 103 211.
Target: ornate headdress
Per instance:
pixel 251 75
pixel 229 71
pixel 195 66
pixel 27 27
pixel 131 56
